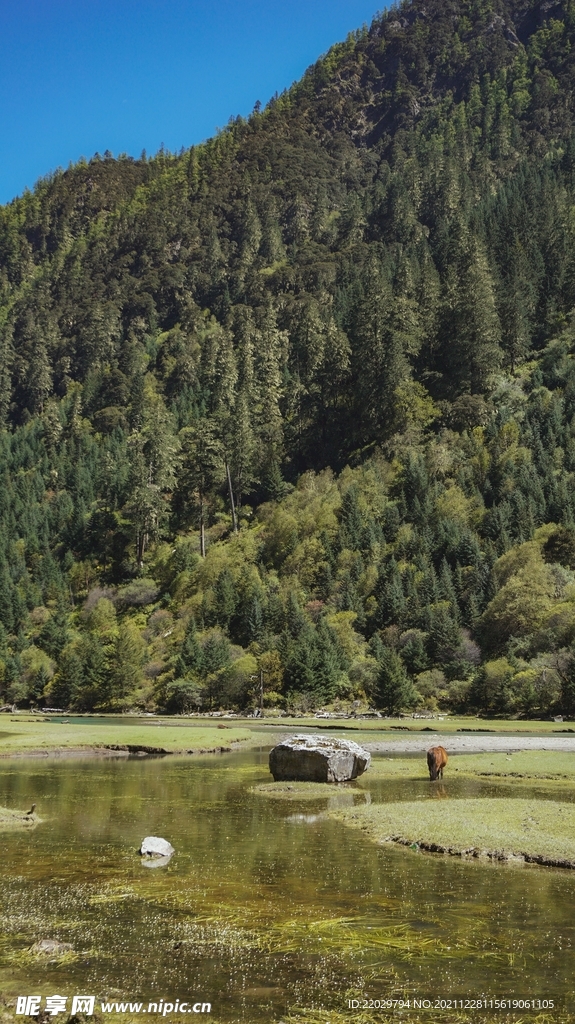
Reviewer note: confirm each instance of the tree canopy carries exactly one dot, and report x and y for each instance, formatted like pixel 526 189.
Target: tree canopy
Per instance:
pixel 301 400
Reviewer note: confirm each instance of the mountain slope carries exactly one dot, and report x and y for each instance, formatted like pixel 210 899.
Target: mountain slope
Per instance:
pixel 376 269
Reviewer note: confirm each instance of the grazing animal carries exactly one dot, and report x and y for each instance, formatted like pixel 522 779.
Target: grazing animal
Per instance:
pixel 436 761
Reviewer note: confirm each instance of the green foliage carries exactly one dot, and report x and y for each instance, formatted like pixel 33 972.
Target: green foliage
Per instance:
pixel 374 274
pixel 394 691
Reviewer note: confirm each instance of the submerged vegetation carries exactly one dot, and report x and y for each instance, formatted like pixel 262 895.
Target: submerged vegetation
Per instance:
pixel 293 412
pixel 266 909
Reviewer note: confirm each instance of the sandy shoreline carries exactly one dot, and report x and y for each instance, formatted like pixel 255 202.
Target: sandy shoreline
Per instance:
pixel 470 744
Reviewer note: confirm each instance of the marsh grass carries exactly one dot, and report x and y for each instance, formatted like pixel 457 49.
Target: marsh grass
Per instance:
pixel 533 766
pixel 349 938
pixel 355 939
pixel 409 768
pixel 555 765
pixel 500 826
pixel 30 736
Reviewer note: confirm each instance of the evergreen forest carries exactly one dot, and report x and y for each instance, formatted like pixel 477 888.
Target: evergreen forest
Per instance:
pixel 295 408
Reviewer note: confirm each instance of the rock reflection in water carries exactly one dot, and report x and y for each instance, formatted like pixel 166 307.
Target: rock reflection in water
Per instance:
pixel 304 819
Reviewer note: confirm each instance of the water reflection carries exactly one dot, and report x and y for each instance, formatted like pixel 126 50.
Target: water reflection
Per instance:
pixel 265 905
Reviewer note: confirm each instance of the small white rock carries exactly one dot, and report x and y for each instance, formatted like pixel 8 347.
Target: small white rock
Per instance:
pixel 154 846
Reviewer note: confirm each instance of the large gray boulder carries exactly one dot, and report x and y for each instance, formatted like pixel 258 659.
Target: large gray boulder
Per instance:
pixel 317 759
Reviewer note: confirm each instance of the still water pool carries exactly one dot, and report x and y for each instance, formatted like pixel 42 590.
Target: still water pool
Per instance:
pixel 266 906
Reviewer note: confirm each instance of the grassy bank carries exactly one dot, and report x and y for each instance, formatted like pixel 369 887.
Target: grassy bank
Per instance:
pixel 542 831
pixel 555 765
pixel 37 736
pixel 530 765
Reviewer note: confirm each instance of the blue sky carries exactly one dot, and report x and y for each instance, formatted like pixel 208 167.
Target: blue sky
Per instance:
pixel 81 76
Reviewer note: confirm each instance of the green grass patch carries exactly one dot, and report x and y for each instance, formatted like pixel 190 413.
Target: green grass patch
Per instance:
pixel 521 764
pixel 527 765
pixel 539 830
pixel 20 737
pixel 409 768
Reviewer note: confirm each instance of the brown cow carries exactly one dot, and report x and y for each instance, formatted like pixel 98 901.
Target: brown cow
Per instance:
pixel 436 761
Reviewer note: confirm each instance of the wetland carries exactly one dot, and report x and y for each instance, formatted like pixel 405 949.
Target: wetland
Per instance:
pixel 272 909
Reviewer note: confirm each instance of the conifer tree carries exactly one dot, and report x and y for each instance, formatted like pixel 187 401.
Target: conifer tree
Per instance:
pixel 202 470
pixel 472 330
pixel 394 692
pixel 191 655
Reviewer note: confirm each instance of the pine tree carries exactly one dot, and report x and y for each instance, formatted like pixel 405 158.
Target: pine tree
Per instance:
pixel 394 692
pixel 6 594
pixel 568 688
pixel 379 358
pixel 92 689
pixel 471 328
pixel 226 598
pixel 351 520
pixel 191 654
pixel 389 591
pixel 202 471
pixel 125 666
pixel 269 424
pixel 53 636
pixel 215 654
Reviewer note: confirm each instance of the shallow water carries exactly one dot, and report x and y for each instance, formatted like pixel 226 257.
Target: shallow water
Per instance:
pixel 266 905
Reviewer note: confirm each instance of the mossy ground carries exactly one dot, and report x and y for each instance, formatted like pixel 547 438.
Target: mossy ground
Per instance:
pixel 23 736
pixel 506 826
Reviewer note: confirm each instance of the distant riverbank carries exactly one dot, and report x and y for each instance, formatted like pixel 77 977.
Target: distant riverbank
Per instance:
pixel 39 737
pixel 470 744
pixel 29 735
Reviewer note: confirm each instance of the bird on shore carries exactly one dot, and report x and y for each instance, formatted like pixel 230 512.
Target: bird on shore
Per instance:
pixel 31 811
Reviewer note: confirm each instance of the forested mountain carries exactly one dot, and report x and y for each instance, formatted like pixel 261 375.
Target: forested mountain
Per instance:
pixel 301 400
